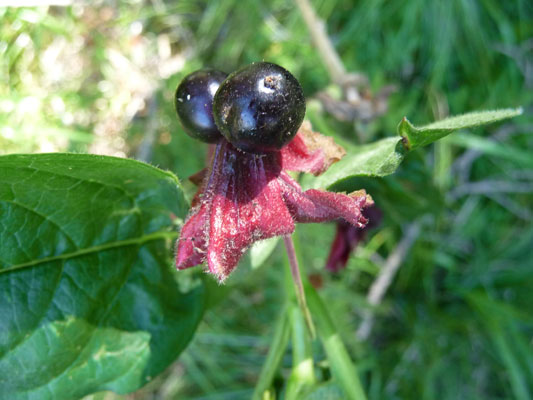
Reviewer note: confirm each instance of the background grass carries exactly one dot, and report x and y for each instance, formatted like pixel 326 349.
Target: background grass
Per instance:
pixel 457 321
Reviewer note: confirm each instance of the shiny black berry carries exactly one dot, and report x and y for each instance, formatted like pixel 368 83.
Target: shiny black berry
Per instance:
pixel 194 103
pixel 259 108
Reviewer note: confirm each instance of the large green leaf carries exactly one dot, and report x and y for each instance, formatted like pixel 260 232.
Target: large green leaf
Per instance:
pixel 384 156
pixel 89 300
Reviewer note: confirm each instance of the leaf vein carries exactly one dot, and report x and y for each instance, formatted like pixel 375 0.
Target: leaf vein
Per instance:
pixel 94 249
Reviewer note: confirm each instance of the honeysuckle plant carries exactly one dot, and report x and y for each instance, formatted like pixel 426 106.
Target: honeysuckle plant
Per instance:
pixel 246 197
pixel 90 299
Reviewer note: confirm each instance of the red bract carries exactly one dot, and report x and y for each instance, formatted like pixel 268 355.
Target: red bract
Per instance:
pixel 246 197
pixel 347 238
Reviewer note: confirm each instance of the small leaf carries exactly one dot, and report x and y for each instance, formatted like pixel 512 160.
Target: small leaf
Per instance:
pixel 89 297
pixel 421 136
pixel 380 158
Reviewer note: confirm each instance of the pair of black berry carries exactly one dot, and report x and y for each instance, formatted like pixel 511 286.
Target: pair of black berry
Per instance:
pixel 258 108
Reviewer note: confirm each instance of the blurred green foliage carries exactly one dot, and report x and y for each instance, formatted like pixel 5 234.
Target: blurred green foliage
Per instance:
pixel 457 321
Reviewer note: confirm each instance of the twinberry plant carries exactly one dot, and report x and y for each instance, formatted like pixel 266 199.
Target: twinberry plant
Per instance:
pixel 247 194
pixel 90 301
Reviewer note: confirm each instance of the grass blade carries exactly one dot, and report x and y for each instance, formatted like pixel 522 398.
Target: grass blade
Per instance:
pixel 275 355
pixel 342 366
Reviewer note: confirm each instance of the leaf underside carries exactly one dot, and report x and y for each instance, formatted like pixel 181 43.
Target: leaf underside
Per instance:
pixel 89 300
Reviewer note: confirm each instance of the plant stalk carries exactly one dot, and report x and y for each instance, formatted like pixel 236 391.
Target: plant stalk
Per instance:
pixel 298 285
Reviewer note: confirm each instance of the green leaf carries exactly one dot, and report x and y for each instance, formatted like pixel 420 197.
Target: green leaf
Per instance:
pixel 380 158
pixel 421 136
pixel 278 347
pixel 384 156
pixel 89 297
pixel 342 367
pixel 302 375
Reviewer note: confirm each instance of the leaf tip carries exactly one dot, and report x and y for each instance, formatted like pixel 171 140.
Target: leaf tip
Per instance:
pixel 404 127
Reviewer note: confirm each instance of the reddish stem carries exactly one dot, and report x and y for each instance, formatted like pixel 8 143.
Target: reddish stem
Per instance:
pixel 298 285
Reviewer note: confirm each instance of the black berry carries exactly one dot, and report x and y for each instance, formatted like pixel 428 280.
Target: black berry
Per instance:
pixel 260 107
pixel 194 104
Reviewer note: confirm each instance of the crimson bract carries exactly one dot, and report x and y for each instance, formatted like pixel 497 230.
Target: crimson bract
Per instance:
pixel 246 196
